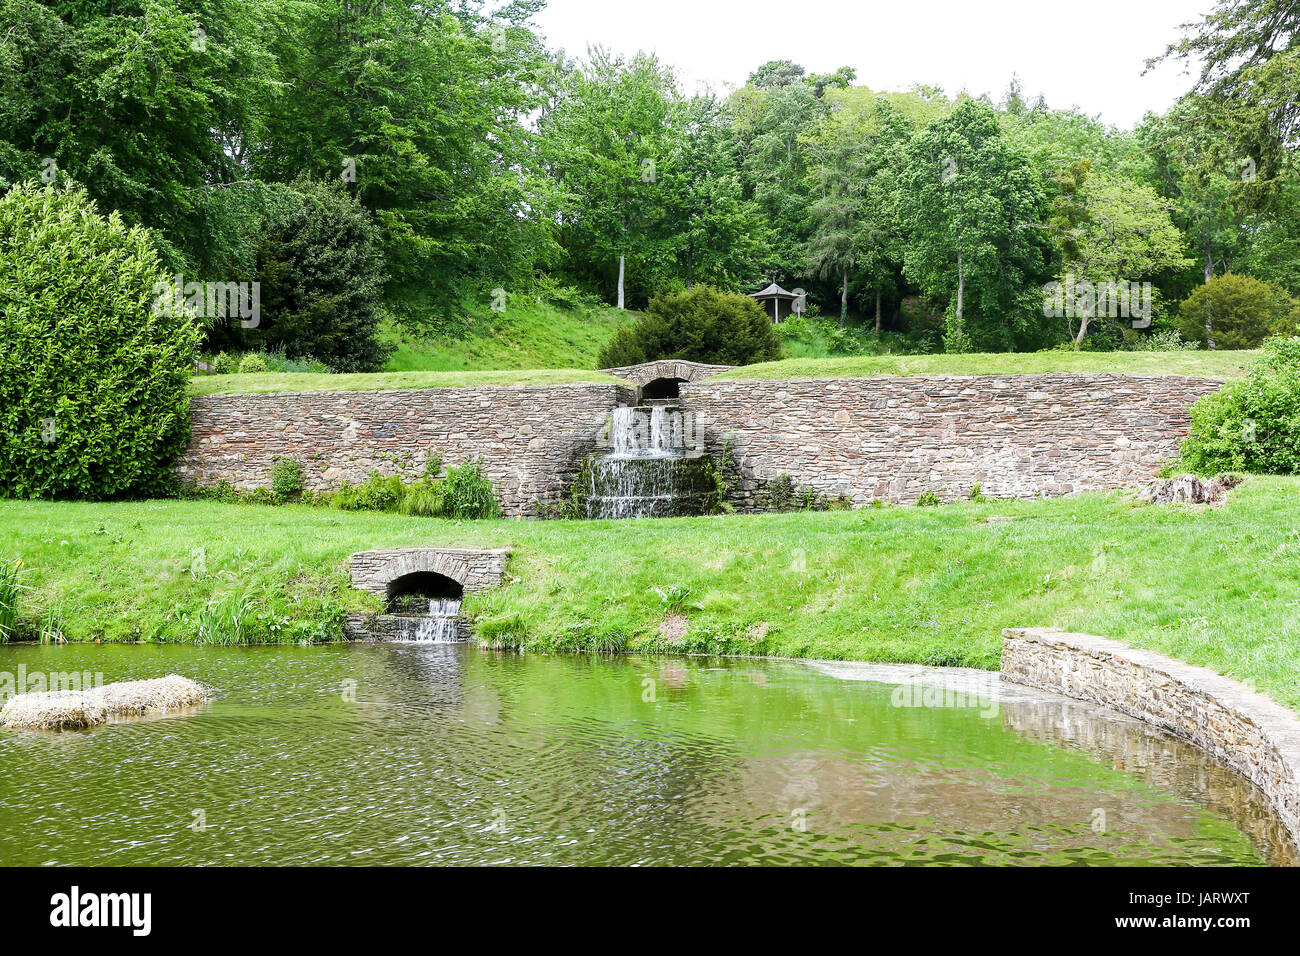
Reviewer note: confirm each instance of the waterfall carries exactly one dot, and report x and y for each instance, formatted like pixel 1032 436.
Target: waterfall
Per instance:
pixel 654 468
pixel 440 626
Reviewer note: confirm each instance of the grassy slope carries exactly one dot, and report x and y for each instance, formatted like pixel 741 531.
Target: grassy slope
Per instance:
pixel 1208 364
pixel 1218 587
pixel 525 336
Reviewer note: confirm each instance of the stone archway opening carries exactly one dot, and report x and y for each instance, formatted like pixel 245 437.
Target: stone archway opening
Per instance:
pixel 661 388
pixel 412 593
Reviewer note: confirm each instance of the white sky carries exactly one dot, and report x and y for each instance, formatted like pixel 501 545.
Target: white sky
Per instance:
pixel 1087 55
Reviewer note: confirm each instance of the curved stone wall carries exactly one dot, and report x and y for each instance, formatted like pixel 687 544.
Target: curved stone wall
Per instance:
pixel 1245 730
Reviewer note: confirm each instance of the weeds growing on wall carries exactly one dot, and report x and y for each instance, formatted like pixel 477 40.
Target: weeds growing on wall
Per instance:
pixel 463 493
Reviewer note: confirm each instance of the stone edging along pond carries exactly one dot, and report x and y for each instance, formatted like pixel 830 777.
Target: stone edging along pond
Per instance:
pixel 1245 730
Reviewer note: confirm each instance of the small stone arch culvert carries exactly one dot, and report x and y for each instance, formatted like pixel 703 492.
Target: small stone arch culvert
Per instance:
pixel 405 575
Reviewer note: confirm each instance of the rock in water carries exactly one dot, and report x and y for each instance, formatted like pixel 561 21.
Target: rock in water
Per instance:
pixel 78 710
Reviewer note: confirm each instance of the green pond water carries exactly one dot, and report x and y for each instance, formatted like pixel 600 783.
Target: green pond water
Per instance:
pixel 447 754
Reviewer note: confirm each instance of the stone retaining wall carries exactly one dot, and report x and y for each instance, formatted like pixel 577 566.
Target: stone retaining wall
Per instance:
pixel 529 437
pixel 895 438
pixel 1247 731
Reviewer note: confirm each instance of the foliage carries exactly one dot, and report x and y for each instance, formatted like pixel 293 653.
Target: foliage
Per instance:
pixel 92 376
pixel 1252 425
pixel 321 275
pixel 699 325
pixel 972 206
pixel 468 492
pixel 463 493
pixel 1237 312
pixel 287 479
pixel 927 499
pixel 1162 340
pixel 253 362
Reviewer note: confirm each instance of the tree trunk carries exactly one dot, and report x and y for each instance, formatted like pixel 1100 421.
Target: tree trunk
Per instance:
pixel 877 313
pixel 844 299
pixel 620 281
pixel 1209 262
pixel 961 290
pixel 1083 330
pixel 1209 330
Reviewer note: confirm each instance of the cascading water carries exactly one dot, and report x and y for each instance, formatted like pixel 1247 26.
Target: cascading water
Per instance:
pixel 441 625
pixel 655 467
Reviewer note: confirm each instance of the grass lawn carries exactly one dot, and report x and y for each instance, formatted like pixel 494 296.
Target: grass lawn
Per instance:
pixel 368 381
pixel 1216 587
pixel 1225 365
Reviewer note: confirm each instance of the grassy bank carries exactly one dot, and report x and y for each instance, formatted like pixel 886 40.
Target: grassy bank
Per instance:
pixel 526 335
pixel 1217 587
pixel 1223 365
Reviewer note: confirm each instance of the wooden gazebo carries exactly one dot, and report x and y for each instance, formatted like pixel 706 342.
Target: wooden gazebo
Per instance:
pixel 775 295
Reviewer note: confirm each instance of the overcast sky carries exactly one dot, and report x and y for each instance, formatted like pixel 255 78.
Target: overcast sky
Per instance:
pixel 1087 55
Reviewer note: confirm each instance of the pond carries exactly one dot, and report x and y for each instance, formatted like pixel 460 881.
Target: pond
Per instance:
pixel 448 754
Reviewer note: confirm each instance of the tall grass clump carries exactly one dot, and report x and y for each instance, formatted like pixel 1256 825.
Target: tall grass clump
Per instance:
pixel 229 620
pixel 10 600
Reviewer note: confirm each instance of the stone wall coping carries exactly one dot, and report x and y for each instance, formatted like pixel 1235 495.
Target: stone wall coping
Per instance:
pixel 1277 726
pixel 431 549
pixel 982 376
pixel 344 392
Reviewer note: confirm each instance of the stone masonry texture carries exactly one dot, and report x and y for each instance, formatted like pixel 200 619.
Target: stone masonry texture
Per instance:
pixel 892 438
pixel 1247 731
pixel 530 438
pixel 895 438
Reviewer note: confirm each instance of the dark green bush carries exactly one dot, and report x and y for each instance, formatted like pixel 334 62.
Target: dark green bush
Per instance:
pixel 321 275
pixel 92 377
pixel 1251 425
pixel 699 325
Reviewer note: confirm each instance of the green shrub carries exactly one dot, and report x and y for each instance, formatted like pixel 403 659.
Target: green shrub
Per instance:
pixel 286 479
pixel 468 492
pixel 321 275
pixel 223 364
pixel 93 378
pixel 927 499
pixel 253 362
pixel 1250 425
pixel 699 325
pixel 1237 312
pixel 377 493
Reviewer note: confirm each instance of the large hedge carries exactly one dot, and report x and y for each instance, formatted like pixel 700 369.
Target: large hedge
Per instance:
pixel 700 325
pixel 1252 424
pixel 92 378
